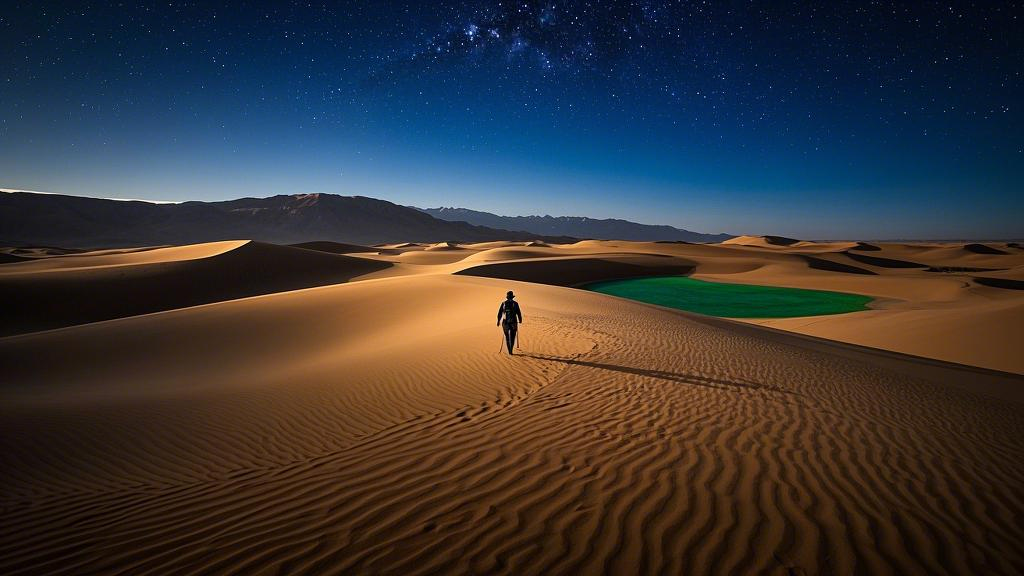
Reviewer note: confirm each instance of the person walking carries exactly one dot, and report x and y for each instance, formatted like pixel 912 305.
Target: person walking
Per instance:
pixel 512 318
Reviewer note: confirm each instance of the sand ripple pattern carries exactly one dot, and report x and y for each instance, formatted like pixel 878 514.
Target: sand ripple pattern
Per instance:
pixel 650 444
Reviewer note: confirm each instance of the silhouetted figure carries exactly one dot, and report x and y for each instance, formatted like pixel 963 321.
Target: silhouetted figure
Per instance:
pixel 513 317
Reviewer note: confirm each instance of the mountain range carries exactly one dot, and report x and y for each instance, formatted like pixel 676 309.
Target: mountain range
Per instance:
pixel 33 219
pixel 575 226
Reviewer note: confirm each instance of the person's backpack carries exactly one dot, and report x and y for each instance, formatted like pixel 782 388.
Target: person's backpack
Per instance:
pixel 510 310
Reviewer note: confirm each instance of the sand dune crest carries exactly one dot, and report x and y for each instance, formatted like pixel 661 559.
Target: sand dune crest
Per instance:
pixel 55 293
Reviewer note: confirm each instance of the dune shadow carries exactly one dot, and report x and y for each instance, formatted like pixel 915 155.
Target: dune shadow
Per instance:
pixel 830 266
pixel 882 262
pixel 334 247
pixel 864 246
pixel 694 379
pixel 6 258
pixel 984 249
pixel 780 240
pixel 580 271
pixel 68 297
pixel 1004 283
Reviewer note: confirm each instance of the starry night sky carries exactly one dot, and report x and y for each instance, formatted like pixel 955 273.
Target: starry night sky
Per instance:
pixel 849 119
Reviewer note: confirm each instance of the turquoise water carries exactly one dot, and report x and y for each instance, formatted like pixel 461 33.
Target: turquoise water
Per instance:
pixel 731 300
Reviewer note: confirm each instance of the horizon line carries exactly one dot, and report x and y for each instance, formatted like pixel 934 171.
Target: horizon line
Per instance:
pixel 161 202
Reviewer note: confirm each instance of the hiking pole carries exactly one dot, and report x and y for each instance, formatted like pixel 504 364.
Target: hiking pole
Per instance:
pixel 502 345
pixel 517 339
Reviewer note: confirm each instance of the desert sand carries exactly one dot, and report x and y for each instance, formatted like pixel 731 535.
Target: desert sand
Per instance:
pixel 240 407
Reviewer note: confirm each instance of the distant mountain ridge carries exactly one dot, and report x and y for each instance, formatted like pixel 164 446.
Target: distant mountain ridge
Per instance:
pixel 575 226
pixel 31 219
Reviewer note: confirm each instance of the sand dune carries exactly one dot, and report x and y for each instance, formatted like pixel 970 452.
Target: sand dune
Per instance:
pixel 501 254
pixel 121 257
pixel 400 245
pixel 336 247
pixel 53 251
pixel 445 246
pixel 433 257
pixel 56 292
pixel 373 427
pixel 983 249
pixel 311 432
pixel 949 255
pixel 762 241
pixel 491 245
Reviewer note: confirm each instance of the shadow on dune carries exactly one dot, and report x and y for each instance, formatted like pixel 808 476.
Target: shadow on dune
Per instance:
pixel 983 249
pixel 55 299
pixel 1004 283
pixel 864 246
pixel 882 262
pixel 335 247
pixel 830 266
pixel 11 258
pixel 694 379
pixel 780 240
pixel 578 271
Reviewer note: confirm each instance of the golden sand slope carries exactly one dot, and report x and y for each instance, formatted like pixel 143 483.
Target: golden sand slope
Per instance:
pixel 56 292
pixel 373 427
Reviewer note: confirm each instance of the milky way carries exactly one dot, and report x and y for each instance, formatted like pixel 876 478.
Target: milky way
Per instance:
pixel 771 65
pixel 548 34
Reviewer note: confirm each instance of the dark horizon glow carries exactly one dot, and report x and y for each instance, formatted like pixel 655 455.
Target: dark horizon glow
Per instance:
pixel 851 120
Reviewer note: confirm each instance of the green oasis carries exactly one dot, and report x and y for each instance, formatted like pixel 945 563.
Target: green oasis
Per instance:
pixel 731 300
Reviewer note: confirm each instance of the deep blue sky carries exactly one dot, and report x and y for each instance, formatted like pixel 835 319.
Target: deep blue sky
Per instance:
pixel 851 119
